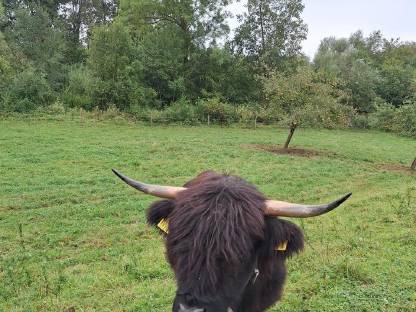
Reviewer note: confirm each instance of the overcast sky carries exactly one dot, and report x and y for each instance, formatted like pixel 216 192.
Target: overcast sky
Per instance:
pixel 395 19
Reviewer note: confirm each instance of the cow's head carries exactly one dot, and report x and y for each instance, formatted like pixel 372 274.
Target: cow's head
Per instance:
pixel 224 246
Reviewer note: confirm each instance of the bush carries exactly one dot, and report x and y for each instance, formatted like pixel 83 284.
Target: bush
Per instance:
pixel 361 121
pixel 81 86
pixel 217 111
pixel 182 111
pixel 400 120
pixel 404 121
pixel 56 108
pixel 28 91
pixel 245 114
pixel 154 115
pixel 383 117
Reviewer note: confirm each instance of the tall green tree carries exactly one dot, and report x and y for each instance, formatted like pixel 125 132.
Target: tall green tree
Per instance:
pixel 398 74
pixel 373 68
pixel 81 16
pixel 171 42
pixel 33 36
pixel 271 31
pixel 339 58
pixel 198 22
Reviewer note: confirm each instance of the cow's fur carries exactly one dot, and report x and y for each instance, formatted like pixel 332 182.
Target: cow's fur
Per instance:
pixel 218 235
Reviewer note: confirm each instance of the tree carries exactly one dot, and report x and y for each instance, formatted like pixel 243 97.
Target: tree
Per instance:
pixel 339 58
pixel 81 15
pixel 74 18
pixel 304 99
pixel 172 38
pixel 398 73
pixel 110 60
pixel 27 91
pixel 198 22
pixel 373 68
pixel 34 39
pixel 271 31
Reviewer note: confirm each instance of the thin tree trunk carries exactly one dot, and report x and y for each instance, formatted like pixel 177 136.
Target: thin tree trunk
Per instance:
pixel 413 166
pixel 293 127
pixel 261 29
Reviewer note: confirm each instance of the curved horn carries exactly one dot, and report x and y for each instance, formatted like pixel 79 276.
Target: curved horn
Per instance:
pixel 155 190
pixel 283 209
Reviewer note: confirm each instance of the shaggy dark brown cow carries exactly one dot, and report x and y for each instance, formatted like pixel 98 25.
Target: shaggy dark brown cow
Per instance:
pixel 224 242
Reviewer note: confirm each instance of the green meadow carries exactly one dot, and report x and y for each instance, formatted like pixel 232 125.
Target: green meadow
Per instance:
pixel 73 237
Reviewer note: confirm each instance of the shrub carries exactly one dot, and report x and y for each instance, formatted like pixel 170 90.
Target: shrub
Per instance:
pixel 182 111
pixel 404 121
pixel 383 117
pixel 57 108
pixel 81 86
pixel 217 110
pixel 154 115
pixel 245 114
pixel 28 91
pixel 361 121
pixel 400 120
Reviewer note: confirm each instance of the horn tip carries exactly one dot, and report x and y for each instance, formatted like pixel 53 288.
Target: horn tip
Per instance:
pixel 343 199
pixel 118 173
pixel 346 196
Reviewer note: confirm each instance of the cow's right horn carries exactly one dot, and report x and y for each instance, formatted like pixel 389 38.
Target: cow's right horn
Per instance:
pixel 284 209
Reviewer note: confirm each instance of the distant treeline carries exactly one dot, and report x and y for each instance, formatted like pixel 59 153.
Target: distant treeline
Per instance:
pixel 178 61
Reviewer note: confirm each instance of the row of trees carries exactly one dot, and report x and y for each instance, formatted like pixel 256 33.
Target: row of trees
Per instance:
pixel 178 57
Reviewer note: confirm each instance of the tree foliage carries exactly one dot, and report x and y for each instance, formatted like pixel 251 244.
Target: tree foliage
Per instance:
pixel 271 31
pixel 372 68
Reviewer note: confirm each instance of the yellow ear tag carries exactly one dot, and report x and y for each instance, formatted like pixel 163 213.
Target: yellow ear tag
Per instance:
pixel 282 246
pixel 163 225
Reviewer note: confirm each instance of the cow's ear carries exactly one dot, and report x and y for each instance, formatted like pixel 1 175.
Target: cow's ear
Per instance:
pixel 159 210
pixel 283 237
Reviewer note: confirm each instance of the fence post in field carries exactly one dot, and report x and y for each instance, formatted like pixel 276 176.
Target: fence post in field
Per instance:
pixel 413 165
pixel 208 119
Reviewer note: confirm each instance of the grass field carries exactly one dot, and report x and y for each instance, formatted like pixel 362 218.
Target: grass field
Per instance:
pixel 74 238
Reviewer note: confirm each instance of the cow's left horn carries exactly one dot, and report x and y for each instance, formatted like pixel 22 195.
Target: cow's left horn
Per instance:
pixel 151 189
pixel 285 209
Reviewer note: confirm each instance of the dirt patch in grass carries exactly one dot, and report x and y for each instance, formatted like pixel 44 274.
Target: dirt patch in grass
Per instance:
pixel 396 168
pixel 286 151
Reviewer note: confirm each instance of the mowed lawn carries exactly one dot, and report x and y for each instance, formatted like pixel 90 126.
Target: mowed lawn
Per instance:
pixel 74 238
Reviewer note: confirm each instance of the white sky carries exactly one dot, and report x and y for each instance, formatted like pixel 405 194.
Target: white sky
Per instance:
pixel 341 18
